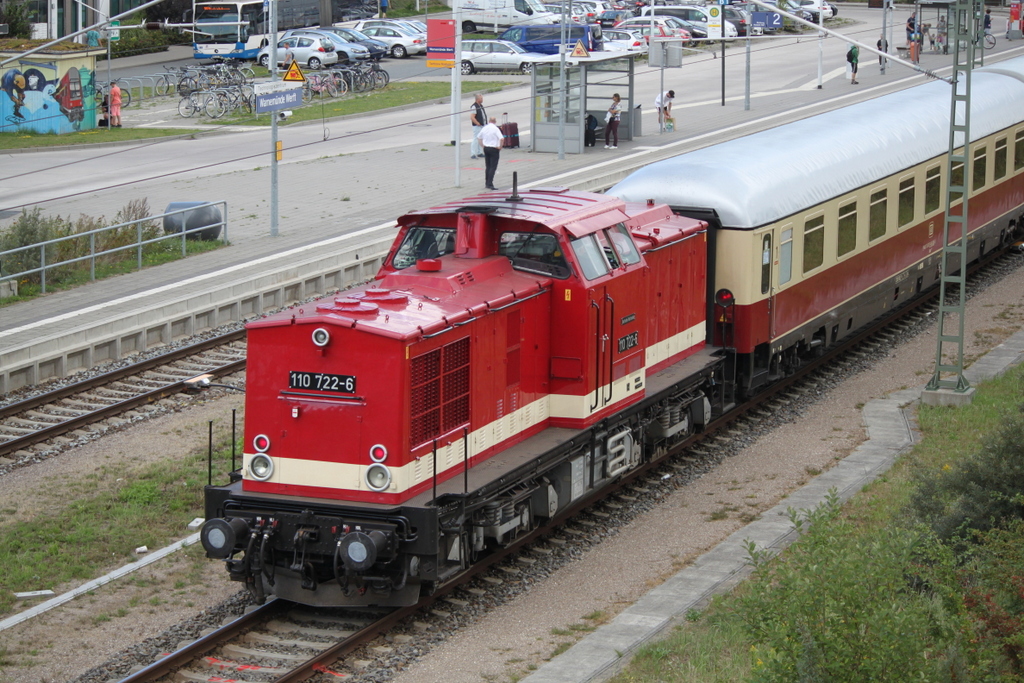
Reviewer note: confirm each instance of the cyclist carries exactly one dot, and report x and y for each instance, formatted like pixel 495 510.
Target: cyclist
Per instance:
pixel 988 22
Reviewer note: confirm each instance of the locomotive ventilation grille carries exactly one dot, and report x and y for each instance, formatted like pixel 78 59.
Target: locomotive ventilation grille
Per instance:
pixel 440 391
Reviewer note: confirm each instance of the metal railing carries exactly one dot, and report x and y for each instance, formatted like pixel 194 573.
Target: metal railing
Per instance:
pixel 141 241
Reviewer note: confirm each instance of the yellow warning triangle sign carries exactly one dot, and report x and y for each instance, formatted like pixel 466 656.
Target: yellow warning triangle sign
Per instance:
pixel 579 50
pixel 294 73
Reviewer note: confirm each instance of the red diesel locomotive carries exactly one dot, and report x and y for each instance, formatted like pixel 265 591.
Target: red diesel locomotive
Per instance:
pixel 518 353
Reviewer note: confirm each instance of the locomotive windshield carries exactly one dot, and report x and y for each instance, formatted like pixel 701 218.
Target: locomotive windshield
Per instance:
pixel 534 252
pixel 423 242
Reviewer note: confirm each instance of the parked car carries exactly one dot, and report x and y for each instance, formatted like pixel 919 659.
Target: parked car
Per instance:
pixel 576 12
pixel 308 51
pixel 692 13
pixel 738 17
pixel 612 17
pixel 619 40
pixel 376 48
pixel 401 42
pixel 665 27
pixel 347 52
pixel 659 32
pixel 590 10
pixel 496 55
pixel 390 23
pixel 546 38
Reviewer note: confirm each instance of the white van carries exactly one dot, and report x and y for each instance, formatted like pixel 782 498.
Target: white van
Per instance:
pixel 502 13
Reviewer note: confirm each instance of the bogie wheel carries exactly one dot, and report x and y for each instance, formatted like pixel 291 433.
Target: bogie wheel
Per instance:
pixel 468 27
pixel 399 52
pixel 467 68
pixel 314 63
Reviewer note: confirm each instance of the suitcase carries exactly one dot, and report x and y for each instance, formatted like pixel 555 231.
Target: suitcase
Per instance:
pixel 510 131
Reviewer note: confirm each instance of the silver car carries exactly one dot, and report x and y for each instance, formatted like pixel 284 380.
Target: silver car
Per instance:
pixel 402 41
pixel 496 55
pixel 308 51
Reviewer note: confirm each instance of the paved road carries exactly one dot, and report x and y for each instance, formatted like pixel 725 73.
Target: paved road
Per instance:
pixel 344 174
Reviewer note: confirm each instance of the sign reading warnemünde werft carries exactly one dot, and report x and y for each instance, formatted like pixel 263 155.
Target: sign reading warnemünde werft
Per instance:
pixel 276 95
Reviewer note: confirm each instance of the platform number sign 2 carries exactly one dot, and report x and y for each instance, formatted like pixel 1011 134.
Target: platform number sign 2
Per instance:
pixel 765 20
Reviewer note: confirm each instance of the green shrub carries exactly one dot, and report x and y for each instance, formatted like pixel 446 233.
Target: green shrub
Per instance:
pixel 843 605
pixel 978 492
pixel 15 14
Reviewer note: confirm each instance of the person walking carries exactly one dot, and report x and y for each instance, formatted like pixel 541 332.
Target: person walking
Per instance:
pixel 383 9
pixel 478 118
pixel 611 125
pixel 883 47
pixel 663 103
pixel 853 56
pixel 115 105
pixel 988 21
pixel 911 27
pixel 491 138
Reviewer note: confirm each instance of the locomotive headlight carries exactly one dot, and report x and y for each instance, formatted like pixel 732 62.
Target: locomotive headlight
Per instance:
pixel 378 477
pixel 378 453
pixel 261 467
pixel 321 337
pixel 220 536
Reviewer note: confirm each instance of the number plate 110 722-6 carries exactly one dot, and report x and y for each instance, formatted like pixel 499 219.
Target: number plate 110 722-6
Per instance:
pixel 321 381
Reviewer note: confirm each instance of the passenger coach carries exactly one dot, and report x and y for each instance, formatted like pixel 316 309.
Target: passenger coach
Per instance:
pixel 821 225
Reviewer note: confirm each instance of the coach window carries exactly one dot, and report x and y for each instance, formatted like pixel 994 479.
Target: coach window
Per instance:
pixel 814 243
pixel 877 214
pixel 999 160
pixel 786 256
pixel 906 205
pixel 766 263
pixel 1018 150
pixel 847 229
pixel 932 189
pixel 956 179
pixel 979 169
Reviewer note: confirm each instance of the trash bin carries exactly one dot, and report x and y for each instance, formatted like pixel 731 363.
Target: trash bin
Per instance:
pixel 637 120
pixel 206 216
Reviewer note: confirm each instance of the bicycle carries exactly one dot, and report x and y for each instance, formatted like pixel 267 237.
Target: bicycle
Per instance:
pixel 989 40
pixel 318 85
pixel 126 94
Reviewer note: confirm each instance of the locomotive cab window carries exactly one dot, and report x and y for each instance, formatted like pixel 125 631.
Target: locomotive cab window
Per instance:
pixel 424 242
pixel 623 244
pixel 932 189
pixel 590 256
pixel 534 252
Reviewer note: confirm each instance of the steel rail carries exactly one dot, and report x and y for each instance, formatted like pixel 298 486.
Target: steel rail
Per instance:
pixel 71 424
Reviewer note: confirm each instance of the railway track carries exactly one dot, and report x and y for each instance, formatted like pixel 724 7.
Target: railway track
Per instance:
pixel 284 642
pixel 78 407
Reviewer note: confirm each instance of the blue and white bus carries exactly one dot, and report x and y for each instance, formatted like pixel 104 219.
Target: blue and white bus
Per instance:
pixel 238 29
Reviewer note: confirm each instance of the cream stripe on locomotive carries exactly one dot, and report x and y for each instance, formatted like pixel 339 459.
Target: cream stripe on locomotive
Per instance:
pixel 298 472
pixel 301 472
pixel 675 344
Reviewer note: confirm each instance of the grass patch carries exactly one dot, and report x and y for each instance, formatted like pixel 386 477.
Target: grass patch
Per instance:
pixel 395 95
pixel 869 592
pixel 27 139
pixel 97 522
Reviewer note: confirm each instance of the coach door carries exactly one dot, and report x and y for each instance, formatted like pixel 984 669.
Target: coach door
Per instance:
pixel 767 259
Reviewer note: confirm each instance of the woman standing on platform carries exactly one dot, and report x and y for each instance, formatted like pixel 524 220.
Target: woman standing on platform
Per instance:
pixel 611 125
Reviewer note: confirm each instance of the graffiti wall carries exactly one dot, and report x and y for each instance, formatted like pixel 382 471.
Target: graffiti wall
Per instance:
pixel 49 93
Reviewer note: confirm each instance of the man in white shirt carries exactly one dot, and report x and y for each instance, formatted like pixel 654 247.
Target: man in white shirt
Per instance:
pixel 491 139
pixel 663 103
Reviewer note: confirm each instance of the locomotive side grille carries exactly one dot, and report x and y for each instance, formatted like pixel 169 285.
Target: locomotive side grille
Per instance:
pixel 440 399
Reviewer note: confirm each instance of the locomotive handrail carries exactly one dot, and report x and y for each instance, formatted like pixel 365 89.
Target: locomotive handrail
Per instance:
pixel 597 354
pixel 611 351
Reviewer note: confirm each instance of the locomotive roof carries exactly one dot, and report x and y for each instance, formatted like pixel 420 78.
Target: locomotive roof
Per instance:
pixel 761 178
pixel 556 208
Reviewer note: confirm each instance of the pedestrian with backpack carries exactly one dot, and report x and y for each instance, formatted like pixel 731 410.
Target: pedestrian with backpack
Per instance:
pixel 852 56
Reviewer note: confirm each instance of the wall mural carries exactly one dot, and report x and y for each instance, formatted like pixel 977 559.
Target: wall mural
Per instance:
pixel 47 97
